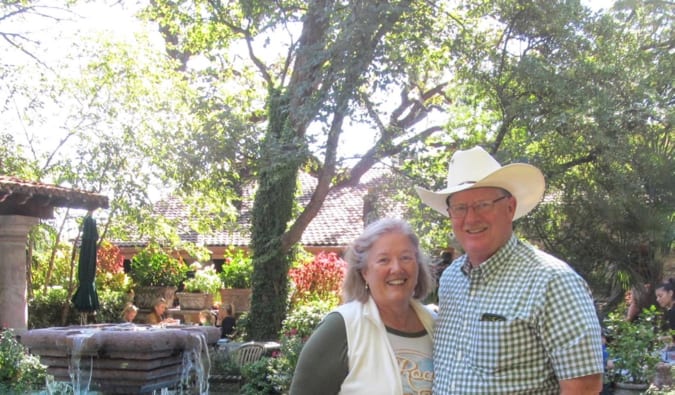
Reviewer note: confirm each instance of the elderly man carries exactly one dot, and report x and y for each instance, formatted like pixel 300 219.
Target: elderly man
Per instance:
pixel 512 319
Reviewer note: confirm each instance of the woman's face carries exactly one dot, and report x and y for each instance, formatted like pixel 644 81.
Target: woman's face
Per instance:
pixel 391 269
pixel 160 308
pixel 130 315
pixel 664 298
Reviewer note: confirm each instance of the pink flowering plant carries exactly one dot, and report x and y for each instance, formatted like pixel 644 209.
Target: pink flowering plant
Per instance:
pixel 319 279
pixel 109 259
pixel 110 268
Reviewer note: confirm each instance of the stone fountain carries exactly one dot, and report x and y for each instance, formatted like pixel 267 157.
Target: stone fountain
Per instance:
pixel 125 358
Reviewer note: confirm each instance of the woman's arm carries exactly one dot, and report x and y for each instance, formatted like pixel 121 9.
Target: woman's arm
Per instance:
pixel 323 363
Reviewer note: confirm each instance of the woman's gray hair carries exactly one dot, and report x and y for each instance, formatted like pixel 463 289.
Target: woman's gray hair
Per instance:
pixel 354 286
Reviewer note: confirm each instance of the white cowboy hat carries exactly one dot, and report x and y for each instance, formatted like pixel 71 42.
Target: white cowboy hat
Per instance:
pixel 475 168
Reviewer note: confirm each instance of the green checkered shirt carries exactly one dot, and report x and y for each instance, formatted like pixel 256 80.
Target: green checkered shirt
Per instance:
pixel 516 324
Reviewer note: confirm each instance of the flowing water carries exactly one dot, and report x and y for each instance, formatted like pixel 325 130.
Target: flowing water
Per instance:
pixel 194 374
pixel 80 378
pixel 196 365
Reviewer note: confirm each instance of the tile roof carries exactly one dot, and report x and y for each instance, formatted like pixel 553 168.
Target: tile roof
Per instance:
pixel 30 198
pixel 338 222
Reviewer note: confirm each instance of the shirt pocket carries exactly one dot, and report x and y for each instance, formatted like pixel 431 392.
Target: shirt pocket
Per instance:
pixel 500 346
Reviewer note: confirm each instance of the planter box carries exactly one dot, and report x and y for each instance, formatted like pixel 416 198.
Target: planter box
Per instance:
pixel 194 301
pixel 239 297
pixel 145 296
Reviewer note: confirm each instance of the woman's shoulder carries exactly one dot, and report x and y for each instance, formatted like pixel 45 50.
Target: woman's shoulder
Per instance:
pixel 152 318
pixel 329 338
pixel 333 322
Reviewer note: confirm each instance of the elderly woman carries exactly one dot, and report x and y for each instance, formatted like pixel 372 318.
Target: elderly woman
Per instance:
pixel 380 340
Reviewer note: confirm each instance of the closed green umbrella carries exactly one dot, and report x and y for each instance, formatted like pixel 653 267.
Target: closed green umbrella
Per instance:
pixel 86 298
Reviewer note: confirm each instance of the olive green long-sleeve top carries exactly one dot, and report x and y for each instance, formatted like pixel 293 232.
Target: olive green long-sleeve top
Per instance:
pixel 327 348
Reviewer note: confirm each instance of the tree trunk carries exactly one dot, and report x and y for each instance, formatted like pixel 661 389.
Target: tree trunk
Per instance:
pixel 284 150
pixel 272 210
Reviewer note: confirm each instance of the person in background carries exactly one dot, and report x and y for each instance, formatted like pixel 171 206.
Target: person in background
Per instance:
pixel 639 298
pixel 206 318
pixel 380 341
pixel 665 297
pixel 512 319
pixel 129 312
pixel 227 321
pixel 157 315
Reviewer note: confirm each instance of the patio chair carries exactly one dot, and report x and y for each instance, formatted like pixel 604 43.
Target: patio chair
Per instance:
pixel 249 353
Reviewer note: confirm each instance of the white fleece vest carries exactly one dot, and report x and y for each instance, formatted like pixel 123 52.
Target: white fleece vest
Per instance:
pixel 373 369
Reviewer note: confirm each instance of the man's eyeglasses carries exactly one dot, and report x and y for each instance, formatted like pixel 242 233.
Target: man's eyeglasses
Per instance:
pixel 484 206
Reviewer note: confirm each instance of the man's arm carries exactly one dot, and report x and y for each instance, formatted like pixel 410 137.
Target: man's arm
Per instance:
pixel 572 335
pixel 585 385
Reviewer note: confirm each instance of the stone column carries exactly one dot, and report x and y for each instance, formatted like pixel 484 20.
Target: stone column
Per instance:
pixel 13 235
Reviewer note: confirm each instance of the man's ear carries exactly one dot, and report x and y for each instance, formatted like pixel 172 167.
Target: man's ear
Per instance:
pixel 512 205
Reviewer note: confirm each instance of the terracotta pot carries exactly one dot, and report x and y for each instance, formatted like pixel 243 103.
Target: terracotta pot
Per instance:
pixel 239 297
pixel 194 301
pixel 145 296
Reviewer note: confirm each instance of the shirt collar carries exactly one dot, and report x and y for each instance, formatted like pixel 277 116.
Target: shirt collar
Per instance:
pixel 493 262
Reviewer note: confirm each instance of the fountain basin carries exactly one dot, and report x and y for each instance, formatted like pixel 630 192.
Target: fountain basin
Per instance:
pixel 122 358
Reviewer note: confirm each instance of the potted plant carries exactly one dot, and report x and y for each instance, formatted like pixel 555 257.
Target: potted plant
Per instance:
pixel 156 273
pixel 635 349
pixel 236 277
pixel 200 288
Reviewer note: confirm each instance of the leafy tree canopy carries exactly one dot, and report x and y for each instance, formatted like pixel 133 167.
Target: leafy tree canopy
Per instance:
pixel 256 90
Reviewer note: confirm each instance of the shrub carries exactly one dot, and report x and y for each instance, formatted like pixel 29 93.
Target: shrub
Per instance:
pixel 319 279
pixel 303 319
pixel 113 281
pixel 110 269
pixel 237 269
pixel 256 381
pixel 296 328
pixel 223 364
pixel 59 270
pixel 205 280
pixel 109 259
pixel 45 308
pixel 20 372
pixel 635 346
pixel 155 267
pixel 281 368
